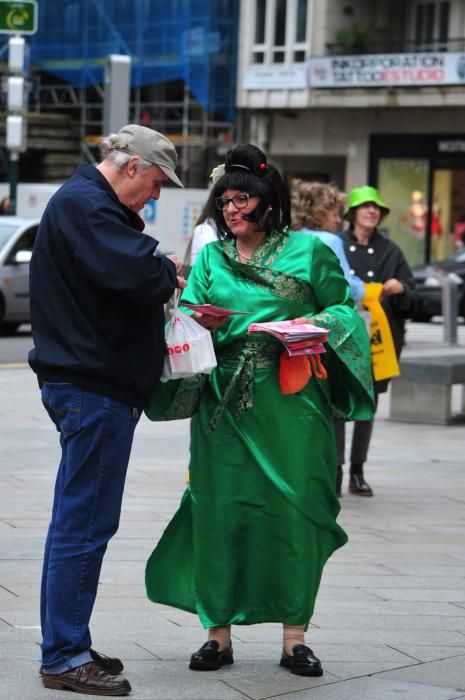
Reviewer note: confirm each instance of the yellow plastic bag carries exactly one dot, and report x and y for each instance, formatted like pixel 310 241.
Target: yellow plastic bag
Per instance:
pixel 383 353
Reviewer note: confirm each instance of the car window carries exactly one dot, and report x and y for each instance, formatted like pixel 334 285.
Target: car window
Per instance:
pixel 460 257
pixel 24 242
pixel 6 231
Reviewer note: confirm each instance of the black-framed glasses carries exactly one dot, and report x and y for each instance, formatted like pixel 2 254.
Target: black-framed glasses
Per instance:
pixel 240 201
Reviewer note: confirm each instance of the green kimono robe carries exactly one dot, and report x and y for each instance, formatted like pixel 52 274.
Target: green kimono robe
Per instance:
pixel 258 519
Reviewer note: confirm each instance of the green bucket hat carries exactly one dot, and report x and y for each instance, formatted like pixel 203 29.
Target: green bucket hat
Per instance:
pixel 363 195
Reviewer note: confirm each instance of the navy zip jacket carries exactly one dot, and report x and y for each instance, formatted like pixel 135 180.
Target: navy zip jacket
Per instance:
pixel 97 291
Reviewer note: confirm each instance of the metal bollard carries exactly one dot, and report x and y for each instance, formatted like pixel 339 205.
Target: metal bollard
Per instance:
pixel 450 307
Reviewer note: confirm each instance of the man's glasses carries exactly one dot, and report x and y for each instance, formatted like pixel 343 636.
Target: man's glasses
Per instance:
pixel 240 201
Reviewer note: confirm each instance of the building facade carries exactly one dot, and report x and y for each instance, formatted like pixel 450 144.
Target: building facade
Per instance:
pixel 182 80
pixel 364 91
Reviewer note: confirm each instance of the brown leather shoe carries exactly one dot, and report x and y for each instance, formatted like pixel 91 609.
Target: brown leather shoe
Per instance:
pixel 110 665
pixel 88 679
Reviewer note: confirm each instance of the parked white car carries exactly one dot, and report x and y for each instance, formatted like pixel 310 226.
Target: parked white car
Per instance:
pixel 17 236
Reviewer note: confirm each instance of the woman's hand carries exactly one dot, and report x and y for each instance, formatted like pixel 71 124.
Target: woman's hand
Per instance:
pixel 210 322
pixel 303 319
pixel 391 287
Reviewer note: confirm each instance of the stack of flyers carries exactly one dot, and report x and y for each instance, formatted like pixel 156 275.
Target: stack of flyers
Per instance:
pixel 297 338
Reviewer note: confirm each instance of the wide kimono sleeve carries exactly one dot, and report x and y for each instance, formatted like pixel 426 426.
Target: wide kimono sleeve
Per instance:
pixel 349 387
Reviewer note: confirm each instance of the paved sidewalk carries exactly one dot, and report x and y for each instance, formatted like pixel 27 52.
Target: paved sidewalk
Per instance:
pixel 390 618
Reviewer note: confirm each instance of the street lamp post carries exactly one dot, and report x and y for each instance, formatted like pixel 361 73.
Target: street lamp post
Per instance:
pixel 16 18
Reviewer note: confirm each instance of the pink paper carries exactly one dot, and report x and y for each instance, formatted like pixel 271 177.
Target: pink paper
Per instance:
pixel 211 310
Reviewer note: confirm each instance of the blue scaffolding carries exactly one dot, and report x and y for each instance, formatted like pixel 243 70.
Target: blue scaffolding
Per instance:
pixel 190 40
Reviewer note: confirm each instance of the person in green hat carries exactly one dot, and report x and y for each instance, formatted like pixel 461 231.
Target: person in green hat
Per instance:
pixel 374 258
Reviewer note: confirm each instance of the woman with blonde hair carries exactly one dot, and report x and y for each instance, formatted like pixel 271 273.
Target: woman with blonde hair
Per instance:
pixel 316 209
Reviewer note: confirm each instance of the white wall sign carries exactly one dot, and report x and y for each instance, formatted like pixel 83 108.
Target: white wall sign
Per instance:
pixel 276 77
pixel 387 70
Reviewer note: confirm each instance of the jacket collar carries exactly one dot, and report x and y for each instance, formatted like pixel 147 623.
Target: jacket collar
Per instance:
pixel 350 233
pixel 90 172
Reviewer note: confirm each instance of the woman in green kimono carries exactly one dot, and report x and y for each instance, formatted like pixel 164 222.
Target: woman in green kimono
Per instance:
pixel 258 520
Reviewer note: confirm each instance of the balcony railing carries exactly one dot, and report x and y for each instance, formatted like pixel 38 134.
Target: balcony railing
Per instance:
pixel 394 46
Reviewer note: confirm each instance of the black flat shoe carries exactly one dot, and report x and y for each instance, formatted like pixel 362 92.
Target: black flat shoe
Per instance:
pixel 303 662
pixel 210 658
pixel 358 486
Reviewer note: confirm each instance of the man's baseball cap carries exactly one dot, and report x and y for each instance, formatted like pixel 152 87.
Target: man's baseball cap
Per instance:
pixel 136 140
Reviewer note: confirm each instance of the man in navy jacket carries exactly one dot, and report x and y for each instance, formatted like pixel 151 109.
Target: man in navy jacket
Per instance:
pixel 97 292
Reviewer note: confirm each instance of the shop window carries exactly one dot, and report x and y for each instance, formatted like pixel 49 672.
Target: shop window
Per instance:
pixel 403 184
pixel 281 31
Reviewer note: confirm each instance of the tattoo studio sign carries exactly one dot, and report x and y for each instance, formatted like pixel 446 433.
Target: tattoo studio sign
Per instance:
pixel 387 70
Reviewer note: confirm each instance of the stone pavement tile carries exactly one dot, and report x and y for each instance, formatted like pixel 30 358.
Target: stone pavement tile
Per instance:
pixel 386 607
pixel 356 669
pixel 14 635
pixel 122 648
pixel 171 680
pixel 360 653
pixel 18 548
pixel 375 688
pixel 446 672
pixel 431 652
pixel 179 617
pixel 400 623
pixel 373 583
pixel 329 593
pixel 428 595
pixel 19 651
pixel 397 556
pixel 25 528
pixel 266 679
pixel 122 590
pixel 149 681
pixel 393 637
pixel 336 567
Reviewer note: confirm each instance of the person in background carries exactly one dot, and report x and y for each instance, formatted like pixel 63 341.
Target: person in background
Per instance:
pixel 204 231
pixel 373 258
pixel 258 519
pixel 316 209
pixel 97 291
pixel 205 228
pixel 5 206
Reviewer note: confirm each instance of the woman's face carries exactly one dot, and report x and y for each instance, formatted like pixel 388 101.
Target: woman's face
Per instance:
pixel 332 220
pixel 368 215
pixel 235 206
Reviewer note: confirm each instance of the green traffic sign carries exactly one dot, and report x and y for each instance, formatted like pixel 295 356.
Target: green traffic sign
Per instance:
pixel 18 17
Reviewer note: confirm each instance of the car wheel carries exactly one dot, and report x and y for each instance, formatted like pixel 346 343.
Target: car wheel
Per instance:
pixel 9 327
pixel 6 327
pixel 422 318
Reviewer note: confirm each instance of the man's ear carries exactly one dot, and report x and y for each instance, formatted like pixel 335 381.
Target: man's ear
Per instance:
pixel 132 166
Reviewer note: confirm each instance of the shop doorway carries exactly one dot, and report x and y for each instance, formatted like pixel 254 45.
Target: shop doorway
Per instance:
pixel 422 179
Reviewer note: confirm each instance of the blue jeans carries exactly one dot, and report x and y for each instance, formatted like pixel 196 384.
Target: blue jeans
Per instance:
pixel 96 437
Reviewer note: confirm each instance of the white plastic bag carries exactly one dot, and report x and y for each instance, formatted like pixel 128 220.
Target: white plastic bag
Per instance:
pixel 189 347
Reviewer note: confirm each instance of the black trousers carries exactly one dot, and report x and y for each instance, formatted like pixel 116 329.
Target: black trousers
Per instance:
pixel 361 437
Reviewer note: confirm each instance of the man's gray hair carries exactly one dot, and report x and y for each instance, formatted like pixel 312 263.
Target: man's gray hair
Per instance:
pixel 118 158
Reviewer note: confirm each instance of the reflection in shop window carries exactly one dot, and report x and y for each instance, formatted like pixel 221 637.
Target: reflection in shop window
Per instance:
pixel 403 183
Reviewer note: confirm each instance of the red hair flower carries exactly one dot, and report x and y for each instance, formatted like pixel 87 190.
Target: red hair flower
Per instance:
pixel 262 166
